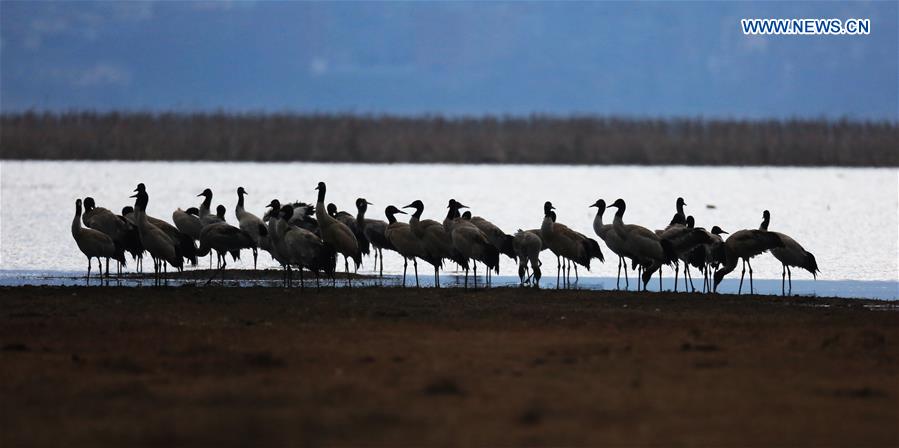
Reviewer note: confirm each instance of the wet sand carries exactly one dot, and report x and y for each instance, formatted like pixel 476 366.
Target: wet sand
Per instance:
pixel 387 366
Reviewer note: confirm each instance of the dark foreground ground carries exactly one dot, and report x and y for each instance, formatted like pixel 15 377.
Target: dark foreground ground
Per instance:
pixel 378 366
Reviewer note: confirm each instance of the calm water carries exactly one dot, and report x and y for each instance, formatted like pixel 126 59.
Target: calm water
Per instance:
pixel 846 217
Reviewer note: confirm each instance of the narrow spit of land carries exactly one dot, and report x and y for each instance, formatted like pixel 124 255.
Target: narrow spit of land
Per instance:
pixel 387 366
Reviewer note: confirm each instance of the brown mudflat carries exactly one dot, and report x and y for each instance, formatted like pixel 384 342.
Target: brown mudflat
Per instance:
pixel 383 366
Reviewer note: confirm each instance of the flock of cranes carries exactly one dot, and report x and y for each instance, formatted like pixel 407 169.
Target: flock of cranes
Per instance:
pixel 311 238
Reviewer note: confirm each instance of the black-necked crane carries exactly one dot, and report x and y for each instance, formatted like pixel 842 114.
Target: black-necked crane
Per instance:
pixel 527 247
pixel 274 223
pixel 745 244
pixel 133 245
pixel 792 254
pixel 436 241
pixel 304 248
pixel 188 222
pixel 612 239
pixel 350 221
pixel 766 219
pixel 251 224
pixel 685 240
pixel 373 231
pixel 99 218
pixel 646 247
pixel 224 238
pixel 499 239
pixel 302 216
pixel 405 242
pixel 472 244
pixel 567 243
pixel 185 243
pixel 707 256
pixel 161 247
pixel 205 206
pixel 336 233
pixel 94 243
pixel 679 216
pixel 132 238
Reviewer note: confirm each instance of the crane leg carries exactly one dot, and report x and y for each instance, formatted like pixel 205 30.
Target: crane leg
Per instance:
pixel 790 279
pixel 618 279
pixel 415 265
pixel 346 269
pixel 676 269
pixel 705 277
pixel 751 289
pixel 521 274
pixel 255 257
pixel 740 289
pixel 475 263
pixel 436 277
pixel 558 270
pixel 690 277
pixel 405 266
pixel 660 279
pixel 381 253
pixel 89 268
pixel 783 279
pixel 576 278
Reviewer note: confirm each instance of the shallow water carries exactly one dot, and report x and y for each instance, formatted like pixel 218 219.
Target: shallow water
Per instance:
pixel 846 217
pixel 868 289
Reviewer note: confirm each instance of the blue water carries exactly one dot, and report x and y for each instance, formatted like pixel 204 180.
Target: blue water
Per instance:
pixel 867 289
pixel 816 206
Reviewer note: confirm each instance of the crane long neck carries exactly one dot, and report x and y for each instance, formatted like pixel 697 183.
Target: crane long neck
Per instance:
pixel 207 202
pixel 321 197
pixel 240 200
pixel 765 221
pixel 76 222
pixel 618 221
pixel 597 220
pixel 360 217
pixel 390 218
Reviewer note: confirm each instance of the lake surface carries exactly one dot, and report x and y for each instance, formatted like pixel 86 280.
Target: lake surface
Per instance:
pixel 847 217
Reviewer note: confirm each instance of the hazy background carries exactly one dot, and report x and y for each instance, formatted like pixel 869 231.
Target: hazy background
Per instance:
pixel 655 59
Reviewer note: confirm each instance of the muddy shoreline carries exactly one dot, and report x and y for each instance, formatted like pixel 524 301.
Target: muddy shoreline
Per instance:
pixel 388 366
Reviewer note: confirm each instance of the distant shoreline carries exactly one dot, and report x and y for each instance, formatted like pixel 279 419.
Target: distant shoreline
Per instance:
pixel 533 139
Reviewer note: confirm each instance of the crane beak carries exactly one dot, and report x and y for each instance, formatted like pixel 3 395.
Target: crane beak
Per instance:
pixel 409 206
pixel 201 194
pixel 724 231
pixel 592 205
pixel 463 206
pixel 133 196
pixel 402 212
pixel 369 203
